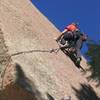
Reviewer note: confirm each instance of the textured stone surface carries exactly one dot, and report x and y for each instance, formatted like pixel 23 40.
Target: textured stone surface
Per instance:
pixel 35 75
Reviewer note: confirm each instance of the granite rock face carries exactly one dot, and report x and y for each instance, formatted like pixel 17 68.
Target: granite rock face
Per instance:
pixel 37 74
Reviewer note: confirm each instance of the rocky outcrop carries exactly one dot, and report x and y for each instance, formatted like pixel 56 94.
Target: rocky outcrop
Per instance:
pixel 29 70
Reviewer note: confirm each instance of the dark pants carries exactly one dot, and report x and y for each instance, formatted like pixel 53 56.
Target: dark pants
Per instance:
pixel 78 46
pixel 74 41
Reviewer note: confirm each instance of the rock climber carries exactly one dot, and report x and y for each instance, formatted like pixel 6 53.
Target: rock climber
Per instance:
pixel 74 38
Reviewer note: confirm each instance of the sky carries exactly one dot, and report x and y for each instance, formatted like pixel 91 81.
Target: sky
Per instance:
pixel 64 12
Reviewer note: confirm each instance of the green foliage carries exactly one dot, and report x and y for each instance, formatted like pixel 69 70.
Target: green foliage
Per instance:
pixel 94 59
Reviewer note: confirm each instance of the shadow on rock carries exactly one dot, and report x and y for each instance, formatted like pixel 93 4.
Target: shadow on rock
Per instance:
pixel 86 92
pixel 22 89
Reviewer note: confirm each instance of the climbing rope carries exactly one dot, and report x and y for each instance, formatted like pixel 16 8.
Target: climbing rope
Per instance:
pixel 31 51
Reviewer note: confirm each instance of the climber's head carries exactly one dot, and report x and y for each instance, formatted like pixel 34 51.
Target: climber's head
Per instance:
pixel 72 27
